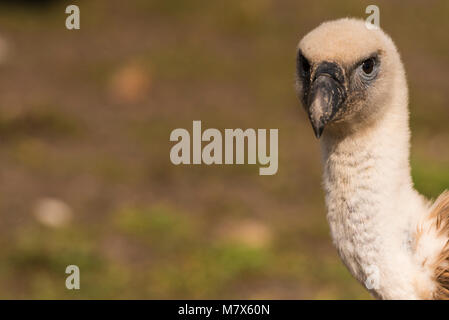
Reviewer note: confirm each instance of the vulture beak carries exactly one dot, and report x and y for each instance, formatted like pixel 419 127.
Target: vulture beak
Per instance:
pixel 326 95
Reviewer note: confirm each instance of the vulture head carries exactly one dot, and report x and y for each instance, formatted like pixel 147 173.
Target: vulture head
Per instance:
pixel 347 76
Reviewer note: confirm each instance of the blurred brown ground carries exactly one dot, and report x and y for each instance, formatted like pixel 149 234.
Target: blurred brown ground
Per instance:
pixel 85 119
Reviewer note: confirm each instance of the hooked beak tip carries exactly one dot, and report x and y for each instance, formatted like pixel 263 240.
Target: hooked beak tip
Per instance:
pixel 318 129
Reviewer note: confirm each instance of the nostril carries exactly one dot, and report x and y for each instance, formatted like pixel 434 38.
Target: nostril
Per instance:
pixel 330 69
pixel 324 74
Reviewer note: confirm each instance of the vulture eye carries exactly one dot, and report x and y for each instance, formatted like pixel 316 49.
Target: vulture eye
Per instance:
pixel 368 66
pixel 369 69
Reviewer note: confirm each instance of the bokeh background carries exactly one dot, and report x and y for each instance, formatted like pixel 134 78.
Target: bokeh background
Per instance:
pixel 85 120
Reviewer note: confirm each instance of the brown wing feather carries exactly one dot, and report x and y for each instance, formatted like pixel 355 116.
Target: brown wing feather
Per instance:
pixel 440 214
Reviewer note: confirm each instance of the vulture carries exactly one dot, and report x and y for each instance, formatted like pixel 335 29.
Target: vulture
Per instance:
pixel 352 84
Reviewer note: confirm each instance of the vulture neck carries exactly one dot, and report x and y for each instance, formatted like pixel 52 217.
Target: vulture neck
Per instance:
pixel 372 206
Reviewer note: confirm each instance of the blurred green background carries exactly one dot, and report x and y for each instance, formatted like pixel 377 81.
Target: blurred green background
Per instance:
pixel 85 120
